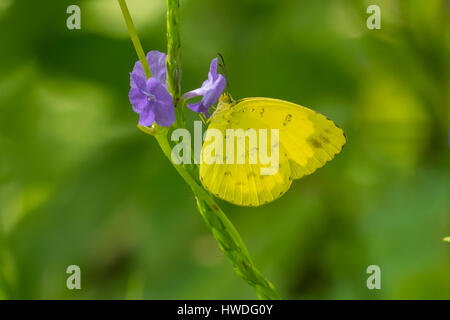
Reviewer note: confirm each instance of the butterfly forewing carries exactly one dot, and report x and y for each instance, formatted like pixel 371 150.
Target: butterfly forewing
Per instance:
pixel 307 140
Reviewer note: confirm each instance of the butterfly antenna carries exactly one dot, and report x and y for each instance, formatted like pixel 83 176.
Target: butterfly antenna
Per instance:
pixel 224 70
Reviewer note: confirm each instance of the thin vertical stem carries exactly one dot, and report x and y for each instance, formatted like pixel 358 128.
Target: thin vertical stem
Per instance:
pixel 173 49
pixel 134 38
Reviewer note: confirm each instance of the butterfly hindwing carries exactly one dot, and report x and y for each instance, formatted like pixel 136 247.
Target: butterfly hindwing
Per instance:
pixel 243 184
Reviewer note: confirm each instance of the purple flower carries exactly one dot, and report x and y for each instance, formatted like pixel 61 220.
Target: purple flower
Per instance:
pixel 211 90
pixel 150 97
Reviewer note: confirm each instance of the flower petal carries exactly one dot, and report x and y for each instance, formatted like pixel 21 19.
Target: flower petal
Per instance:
pixel 137 74
pixel 214 91
pixel 163 103
pixel 199 108
pixel 197 92
pixel 159 90
pixel 164 113
pixel 137 99
pixel 147 116
pixel 136 81
pixel 212 75
pixel 157 63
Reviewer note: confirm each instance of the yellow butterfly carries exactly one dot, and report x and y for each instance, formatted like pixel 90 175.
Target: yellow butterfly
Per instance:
pixel 306 141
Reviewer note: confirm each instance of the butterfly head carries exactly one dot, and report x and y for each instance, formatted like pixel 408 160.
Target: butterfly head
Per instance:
pixel 226 101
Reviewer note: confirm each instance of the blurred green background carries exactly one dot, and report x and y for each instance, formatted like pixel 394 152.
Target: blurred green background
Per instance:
pixel 79 184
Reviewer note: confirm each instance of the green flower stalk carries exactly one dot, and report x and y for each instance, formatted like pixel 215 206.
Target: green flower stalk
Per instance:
pixel 173 62
pixel 134 37
pixel 221 227
pixel 173 49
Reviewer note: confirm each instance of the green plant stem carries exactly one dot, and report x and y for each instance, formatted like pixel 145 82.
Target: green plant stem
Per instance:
pixel 226 235
pixel 221 227
pixel 134 38
pixel 173 62
pixel 173 48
